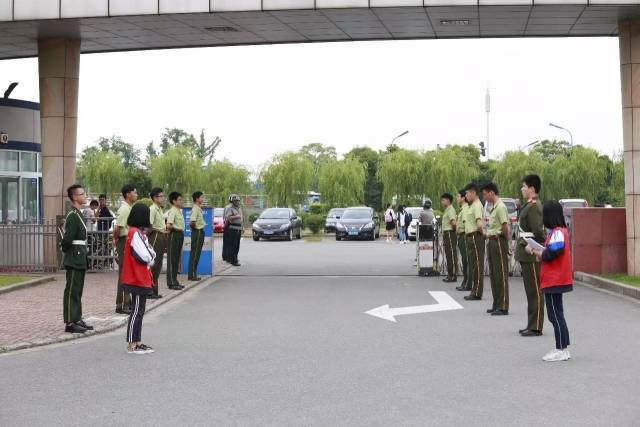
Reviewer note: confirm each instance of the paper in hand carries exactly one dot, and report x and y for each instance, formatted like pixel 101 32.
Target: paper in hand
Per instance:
pixel 534 245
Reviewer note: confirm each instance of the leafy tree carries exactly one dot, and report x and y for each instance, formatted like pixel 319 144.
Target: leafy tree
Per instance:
pixel 319 155
pixel 341 182
pixel 151 151
pixel 402 175
pixel 222 178
pixel 548 150
pixel 102 172
pixel 287 178
pixel 205 150
pixel 373 187
pixel 130 155
pixel 449 170
pixel 175 137
pixel 392 148
pixel 176 170
pixel 512 167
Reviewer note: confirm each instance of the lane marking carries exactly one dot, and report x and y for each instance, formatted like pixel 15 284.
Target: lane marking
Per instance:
pixel 445 303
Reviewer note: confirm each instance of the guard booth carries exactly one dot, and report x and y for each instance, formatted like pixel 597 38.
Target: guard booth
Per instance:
pixel 426 250
pixel 205 266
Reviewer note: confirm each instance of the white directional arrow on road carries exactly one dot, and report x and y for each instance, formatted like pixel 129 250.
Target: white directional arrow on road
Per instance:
pixel 445 303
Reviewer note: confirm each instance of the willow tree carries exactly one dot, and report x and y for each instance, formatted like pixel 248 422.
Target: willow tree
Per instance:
pixel 222 178
pixel 402 175
pixel 512 167
pixel 342 182
pixel 102 172
pixel 287 178
pixel 176 170
pixel 447 172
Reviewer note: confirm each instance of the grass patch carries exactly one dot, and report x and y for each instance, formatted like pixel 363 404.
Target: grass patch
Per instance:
pixel 12 280
pixel 623 278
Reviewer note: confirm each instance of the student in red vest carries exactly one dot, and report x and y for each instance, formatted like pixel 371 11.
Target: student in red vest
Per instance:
pixel 556 276
pixel 137 279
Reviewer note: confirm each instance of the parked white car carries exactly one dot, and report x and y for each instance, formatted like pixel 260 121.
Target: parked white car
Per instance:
pixel 415 217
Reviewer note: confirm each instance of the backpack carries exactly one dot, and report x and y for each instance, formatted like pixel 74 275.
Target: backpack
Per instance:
pixel 388 217
pixel 407 218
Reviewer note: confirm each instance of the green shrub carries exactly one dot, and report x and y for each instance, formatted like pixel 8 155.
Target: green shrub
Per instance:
pixel 253 217
pixel 304 217
pixel 315 223
pixel 145 201
pixel 316 209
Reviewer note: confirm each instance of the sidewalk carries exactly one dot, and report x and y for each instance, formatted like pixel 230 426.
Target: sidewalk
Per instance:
pixel 32 316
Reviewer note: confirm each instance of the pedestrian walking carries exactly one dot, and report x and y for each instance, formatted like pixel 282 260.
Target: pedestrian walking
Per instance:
pixel 403 223
pixel 556 276
pixel 74 248
pixel 531 226
pixel 462 241
pixel 196 224
pixel 498 250
pixel 120 231
pixel 389 221
pixel 175 227
pixel 157 237
pixel 232 230
pixel 105 219
pixel 474 230
pixel 137 279
pixel 449 237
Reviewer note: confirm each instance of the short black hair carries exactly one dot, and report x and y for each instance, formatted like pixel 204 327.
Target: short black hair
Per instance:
pixel 126 189
pixel 447 196
pixel 553 215
pixel 472 186
pixel 102 196
pixel 155 191
pixel 196 195
pixel 72 190
pixel 139 216
pixel 533 181
pixel 490 186
pixel 462 193
pixel 173 196
pixel 94 202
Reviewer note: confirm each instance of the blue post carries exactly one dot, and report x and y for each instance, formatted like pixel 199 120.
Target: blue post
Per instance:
pixel 205 266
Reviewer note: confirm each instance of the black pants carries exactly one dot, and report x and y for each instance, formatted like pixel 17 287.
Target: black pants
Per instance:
pixel 138 305
pixel 197 240
pixel 555 312
pixel 230 245
pixel 122 298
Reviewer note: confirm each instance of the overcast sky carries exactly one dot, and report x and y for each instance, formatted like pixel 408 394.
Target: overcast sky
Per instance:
pixel 265 99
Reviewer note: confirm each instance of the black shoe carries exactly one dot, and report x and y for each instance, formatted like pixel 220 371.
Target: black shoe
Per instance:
pixel 176 287
pixel 195 279
pixel 490 310
pixel 236 264
pixel 522 330
pixel 74 328
pixel 154 296
pixel 123 311
pixel 84 325
pixel 462 288
pixel 499 312
pixel 530 333
pixel 472 298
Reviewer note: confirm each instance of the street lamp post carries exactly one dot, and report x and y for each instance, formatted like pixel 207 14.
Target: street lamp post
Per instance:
pixel 564 129
pixel 399 136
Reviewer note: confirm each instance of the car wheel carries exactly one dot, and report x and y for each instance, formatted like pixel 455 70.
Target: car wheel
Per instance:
pixel 299 235
pixel 256 238
pixel 290 235
pixel 338 238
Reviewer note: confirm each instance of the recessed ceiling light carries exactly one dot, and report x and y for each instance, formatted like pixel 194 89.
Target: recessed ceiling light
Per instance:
pixel 222 29
pixel 454 22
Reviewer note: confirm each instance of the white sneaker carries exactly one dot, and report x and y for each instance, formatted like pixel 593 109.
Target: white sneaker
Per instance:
pixel 556 356
pixel 568 354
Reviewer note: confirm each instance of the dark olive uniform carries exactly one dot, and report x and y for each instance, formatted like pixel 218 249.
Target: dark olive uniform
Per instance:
pixel 462 247
pixel 449 241
pixel 475 247
pixel 158 240
pixel 174 249
pixel 498 254
pixel 197 240
pixel 531 225
pixel 74 247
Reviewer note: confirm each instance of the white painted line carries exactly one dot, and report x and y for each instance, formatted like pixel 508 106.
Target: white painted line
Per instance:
pixel 445 303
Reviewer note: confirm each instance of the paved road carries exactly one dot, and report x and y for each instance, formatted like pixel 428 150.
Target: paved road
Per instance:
pixel 259 349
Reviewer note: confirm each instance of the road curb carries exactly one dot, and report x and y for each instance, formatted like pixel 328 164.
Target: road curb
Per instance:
pixel 608 285
pixel 116 324
pixel 27 284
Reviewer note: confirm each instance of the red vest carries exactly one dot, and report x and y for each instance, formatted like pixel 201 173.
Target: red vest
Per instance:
pixel 558 272
pixel 133 273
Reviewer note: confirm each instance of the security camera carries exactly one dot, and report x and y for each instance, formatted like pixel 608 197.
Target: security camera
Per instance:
pixel 4 138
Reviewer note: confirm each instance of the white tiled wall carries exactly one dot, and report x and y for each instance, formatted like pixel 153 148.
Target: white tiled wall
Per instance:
pixel 36 9
pixel 137 7
pixel 6 10
pixel 184 6
pixel 83 8
pixel 235 5
pixel 287 4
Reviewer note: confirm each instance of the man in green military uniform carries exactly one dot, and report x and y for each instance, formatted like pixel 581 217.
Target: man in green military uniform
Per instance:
pixel 462 243
pixel 175 226
pixel 449 236
pixel 474 230
pixel 196 223
pixel 130 195
pixel 157 237
pixel 531 225
pixel 498 250
pixel 74 248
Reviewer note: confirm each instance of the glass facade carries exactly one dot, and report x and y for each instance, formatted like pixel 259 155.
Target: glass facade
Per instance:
pixel 20 187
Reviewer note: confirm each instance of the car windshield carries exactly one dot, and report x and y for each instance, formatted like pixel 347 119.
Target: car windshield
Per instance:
pixel 415 212
pixel 335 213
pixel 275 214
pixel 575 204
pixel 511 206
pixel 218 212
pixel 357 214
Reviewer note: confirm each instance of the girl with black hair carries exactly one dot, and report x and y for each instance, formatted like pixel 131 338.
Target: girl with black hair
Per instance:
pixel 556 276
pixel 136 278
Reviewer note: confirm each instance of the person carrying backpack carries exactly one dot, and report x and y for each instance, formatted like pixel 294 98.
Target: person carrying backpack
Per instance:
pixel 389 220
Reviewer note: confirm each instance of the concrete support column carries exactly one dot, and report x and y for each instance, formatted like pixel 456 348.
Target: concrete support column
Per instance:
pixel 59 69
